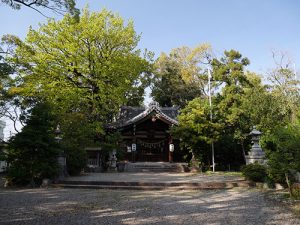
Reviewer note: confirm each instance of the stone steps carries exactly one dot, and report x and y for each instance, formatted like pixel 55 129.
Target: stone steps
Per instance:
pixel 155 167
pixel 152 185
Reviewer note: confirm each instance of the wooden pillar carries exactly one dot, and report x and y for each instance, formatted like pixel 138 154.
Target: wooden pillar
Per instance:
pixel 98 159
pixel 170 156
pixel 133 141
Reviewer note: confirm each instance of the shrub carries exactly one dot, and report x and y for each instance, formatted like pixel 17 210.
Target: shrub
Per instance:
pixel 76 161
pixel 283 152
pixel 255 172
pixel 270 182
pixel 296 190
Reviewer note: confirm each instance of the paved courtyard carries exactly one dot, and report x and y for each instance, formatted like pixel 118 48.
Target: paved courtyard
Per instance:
pixel 238 206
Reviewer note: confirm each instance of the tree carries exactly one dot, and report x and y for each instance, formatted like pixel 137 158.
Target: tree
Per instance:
pixel 284 84
pixel 10 103
pixel 32 153
pixel 179 77
pixel 57 6
pixel 229 121
pixel 195 130
pixel 84 66
pixel 135 95
pixel 229 74
pixel 256 102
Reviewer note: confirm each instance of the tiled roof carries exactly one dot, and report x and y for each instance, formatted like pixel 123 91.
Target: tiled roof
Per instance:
pixel 130 115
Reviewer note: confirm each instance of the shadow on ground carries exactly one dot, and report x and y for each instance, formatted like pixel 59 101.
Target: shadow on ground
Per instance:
pixel 82 206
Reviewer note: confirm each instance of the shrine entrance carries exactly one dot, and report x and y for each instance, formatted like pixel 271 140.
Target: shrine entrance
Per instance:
pixel 151 150
pixel 151 138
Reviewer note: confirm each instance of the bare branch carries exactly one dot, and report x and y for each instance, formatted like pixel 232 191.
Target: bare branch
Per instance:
pixel 57 6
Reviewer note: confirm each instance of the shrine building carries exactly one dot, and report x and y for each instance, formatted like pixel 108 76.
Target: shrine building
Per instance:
pixel 145 133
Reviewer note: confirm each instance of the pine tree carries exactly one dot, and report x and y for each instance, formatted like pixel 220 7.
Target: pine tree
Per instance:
pixel 32 153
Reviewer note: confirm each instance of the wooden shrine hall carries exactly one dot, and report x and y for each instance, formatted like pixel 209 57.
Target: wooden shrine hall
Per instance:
pixel 145 133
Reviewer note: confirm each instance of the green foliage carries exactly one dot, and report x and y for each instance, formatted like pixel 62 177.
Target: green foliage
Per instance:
pixel 195 129
pixel 255 172
pixel 228 152
pixel 285 88
pixel 296 191
pixel 256 103
pixel 32 153
pixel 283 152
pixel 269 181
pixel 84 66
pixel 240 100
pixel 230 121
pixel 178 77
pixel 76 159
pixel 110 141
pixel 77 133
pixel 229 72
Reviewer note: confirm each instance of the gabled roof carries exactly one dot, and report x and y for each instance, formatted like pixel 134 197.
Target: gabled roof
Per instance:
pixel 131 115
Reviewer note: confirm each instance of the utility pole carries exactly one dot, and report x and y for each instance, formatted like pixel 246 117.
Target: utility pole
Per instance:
pixel 211 117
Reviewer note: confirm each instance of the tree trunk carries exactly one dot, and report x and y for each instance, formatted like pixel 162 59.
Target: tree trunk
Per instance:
pixel 243 149
pixel 288 183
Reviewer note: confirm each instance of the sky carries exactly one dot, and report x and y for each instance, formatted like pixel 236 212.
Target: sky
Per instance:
pixel 255 27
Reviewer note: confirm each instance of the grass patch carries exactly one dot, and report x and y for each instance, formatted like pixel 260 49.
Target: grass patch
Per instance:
pixel 296 209
pixel 223 173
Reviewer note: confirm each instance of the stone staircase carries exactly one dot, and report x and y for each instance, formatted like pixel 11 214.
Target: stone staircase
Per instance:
pixel 156 167
pixel 151 186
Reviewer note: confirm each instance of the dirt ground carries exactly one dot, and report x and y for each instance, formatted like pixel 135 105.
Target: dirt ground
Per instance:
pixel 89 206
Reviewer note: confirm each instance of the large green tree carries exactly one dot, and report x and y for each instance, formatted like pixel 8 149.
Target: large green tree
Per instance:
pixel 229 73
pixel 87 65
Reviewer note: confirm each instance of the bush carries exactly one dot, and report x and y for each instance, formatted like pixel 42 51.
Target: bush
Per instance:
pixel 76 160
pixel 283 152
pixel 270 182
pixel 255 172
pixel 296 190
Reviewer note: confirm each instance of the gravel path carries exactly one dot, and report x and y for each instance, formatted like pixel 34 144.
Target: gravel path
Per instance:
pixel 83 206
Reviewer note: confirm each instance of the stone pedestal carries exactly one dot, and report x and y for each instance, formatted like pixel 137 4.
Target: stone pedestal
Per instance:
pixel 194 165
pixel 61 159
pixel 256 154
pixel 112 161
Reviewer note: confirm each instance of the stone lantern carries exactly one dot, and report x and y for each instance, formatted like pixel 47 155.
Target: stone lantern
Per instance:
pixel 61 158
pixel 256 154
